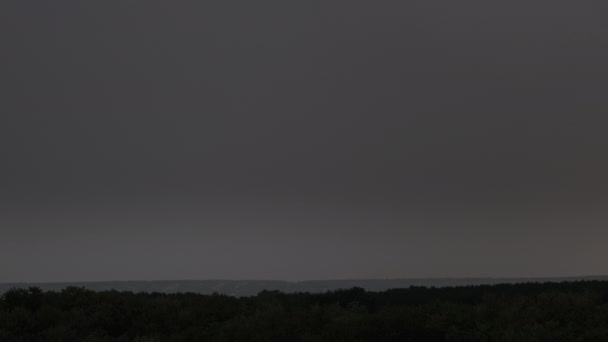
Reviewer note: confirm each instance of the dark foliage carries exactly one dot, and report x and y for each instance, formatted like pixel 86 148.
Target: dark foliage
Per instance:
pixel 576 311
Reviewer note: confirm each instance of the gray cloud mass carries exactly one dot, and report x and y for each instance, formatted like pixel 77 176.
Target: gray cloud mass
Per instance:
pixel 302 140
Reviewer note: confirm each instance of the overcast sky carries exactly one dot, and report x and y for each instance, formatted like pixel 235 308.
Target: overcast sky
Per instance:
pixel 322 139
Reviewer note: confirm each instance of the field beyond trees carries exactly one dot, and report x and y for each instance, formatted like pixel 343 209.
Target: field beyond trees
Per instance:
pixel 569 311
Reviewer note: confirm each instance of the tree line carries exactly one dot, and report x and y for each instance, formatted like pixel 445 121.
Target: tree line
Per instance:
pixel 552 312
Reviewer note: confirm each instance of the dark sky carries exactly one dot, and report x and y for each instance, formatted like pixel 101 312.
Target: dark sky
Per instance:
pixel 274 139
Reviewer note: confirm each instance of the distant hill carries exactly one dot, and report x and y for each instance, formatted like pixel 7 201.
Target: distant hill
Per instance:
pixel 253 287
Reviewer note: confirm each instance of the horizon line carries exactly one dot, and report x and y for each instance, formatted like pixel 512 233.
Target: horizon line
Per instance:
pixel 312 280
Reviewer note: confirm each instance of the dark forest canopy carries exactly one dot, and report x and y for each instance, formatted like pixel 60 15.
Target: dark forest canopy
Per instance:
pixel 249 287
pixel 569 311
